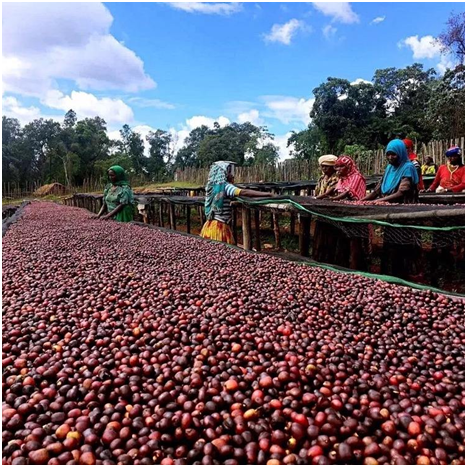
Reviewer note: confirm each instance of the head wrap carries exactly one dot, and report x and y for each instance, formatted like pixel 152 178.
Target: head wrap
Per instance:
pixel 409 146
pixel 215 188
pixel 121 178
pixel 453 151
pixel 327 159
pixel 393 175
pixel 352 180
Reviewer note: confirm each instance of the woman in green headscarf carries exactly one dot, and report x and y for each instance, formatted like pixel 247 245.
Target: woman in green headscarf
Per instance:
pixel 118 196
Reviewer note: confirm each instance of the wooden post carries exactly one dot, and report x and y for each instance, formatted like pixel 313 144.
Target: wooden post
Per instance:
pixel 355 253
pixel 257 231
pixel 304 236
pixel 161 214
pixel 246 228
pixel 188 220
pixel 201 215
pixel 234 224
pixel 292 223
pixel 275 221
pixel 173 219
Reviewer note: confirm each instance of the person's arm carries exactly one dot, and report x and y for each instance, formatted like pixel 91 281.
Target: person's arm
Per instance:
pixel 404 187
pixel 328 193
pixel 254 193
pixel 103 209
pixel 114 212
pixel 376 193
pixel 344 195
pixel 436 181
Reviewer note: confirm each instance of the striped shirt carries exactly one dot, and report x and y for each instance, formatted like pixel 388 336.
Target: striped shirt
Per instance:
pixel 226 215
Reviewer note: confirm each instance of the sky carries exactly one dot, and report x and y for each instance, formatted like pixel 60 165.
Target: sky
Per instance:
pixel 176 66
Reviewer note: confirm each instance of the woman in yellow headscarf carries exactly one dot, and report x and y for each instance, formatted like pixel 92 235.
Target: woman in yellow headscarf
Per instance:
pixel 329 179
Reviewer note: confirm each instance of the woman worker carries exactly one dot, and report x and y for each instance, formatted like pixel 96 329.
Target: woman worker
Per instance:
pixel 429 166
pixel 414 159
pixel 329 179
pixel 351 184
pixel 400 180
pixel 219 190
pixel 450 177
pixel 118 196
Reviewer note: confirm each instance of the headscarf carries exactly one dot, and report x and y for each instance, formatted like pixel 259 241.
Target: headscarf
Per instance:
pixel 353 181
pixel 393 175
pixel 409 146
pixel 453 151
pixel 215 188
pixel 121 176
pixel 328 159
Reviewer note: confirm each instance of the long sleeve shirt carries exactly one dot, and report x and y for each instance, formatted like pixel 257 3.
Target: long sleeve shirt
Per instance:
pixel 452 180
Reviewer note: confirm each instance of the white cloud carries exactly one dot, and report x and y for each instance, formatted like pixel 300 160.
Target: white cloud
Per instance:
pixel 283 33
pixel 208 7
pixel 155 103
pixel 281 142
pixel 200 120
pixel 378 19
pixel 425 47
pixel 288 109
pixel 339 11
pixel 329 31
pixel 44 42
pixel 88 105
pixel 251 116
pixel 360 81
pixel 12 108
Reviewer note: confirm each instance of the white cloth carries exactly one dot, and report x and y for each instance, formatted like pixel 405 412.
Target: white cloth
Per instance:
pixel 327 159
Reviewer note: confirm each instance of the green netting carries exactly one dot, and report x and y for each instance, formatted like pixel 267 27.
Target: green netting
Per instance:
pixel 374 231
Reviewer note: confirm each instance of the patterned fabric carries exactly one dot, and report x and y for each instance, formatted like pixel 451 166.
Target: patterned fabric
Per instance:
pixel 217 189
pixel 393 175
pixel 351 181
pixel 325 183
pixel 453 151
pixel 115 195
pixel 428 169
pixel 216 230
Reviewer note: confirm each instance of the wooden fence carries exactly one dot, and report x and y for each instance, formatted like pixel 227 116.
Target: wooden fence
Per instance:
pixel 369 163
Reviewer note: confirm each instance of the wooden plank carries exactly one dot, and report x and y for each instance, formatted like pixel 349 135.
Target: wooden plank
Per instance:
pixel 161 213
pixel 304 235
pixel 246 228
pixel 188 219
pixel 292 223
pixel 172 217
pixel 257 231
pixel 277 234
pixel 234 224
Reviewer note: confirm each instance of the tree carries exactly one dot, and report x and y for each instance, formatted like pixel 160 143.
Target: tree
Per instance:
pixel 91 144
pixel 446 107
pixel 132 146
pixel 11 155
pixel 187 156
pixel 452 40
pixel 306 144
pixel 159 154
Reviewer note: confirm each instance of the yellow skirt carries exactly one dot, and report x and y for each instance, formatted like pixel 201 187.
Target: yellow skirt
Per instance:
pixel 215 230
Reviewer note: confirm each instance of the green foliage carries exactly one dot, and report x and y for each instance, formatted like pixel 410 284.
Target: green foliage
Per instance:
pixel 160 156
pixel 306 144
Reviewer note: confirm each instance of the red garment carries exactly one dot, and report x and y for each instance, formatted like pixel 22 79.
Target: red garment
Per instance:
pixel 352 180
pixel 453 179
pixel 413 157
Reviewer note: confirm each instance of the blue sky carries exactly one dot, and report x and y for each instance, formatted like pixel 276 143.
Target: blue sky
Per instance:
pixel 176 66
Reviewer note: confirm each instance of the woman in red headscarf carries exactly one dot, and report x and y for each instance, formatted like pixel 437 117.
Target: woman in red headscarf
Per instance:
pixel 351 184
pixel 414 159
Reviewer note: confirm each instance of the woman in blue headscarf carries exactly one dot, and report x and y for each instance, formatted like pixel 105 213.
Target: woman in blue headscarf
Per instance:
pixel 399 183
pixel 219 190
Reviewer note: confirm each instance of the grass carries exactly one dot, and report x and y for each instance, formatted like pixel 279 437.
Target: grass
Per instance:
pixel 155 186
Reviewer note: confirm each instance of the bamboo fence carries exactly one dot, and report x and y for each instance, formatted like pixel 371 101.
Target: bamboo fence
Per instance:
pixel 369 163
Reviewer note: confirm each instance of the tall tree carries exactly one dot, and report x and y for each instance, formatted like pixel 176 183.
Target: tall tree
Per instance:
pixel 159 154
pixel 306 144
pixel 132 146
pixel 452 40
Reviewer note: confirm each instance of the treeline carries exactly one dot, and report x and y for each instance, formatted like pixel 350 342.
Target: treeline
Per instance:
pixel 409 102
pixel 45 151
